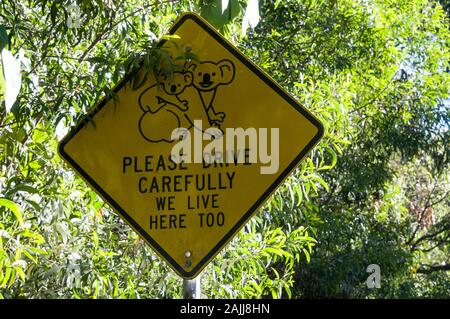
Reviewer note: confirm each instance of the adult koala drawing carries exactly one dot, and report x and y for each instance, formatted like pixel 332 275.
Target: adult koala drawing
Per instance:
pixel 207 77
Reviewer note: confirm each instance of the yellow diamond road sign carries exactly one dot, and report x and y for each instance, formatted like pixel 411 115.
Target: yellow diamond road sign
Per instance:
pixel 188 208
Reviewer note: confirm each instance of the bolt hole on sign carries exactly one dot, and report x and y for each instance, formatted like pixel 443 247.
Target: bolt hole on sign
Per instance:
pixel 187 159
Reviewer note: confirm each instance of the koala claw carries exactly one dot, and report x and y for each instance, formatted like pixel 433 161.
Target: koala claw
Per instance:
pixel 217 132
pixel 185 103
pixel 215 124
pixel 219 117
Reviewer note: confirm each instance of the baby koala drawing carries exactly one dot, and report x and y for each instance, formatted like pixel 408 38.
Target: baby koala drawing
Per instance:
pixel 207 77
pixel 163 109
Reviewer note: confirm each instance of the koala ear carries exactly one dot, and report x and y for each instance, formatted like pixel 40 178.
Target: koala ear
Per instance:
pixel 187 78
pixel 191 67
pixel 226 70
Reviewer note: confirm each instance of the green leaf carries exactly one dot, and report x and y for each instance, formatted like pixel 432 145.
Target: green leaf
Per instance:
pixel 20 272
pixel 7 275
pixel 320 181
pixel 38 250
pixel 338 148
pixel 26 188
pixel 307 255
pixel 277 3
pixel 273 251
pixel 37 238
pixel 2 82
pixel 12 207
pixel 13 276
pixel 212 11
pixel 288 291
pixel 3 38
pixel 333 160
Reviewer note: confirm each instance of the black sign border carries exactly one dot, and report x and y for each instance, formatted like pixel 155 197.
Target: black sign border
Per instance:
pixel 233 231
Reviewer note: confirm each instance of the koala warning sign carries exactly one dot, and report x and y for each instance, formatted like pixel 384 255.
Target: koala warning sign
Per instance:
pixel 187 158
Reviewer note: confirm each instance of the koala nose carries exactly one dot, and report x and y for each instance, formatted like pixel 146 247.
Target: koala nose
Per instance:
pixel 173 88
pixel 206 78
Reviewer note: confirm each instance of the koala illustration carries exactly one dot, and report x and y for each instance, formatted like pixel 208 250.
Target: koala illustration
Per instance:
pixel 163 108
pixel 178 101
pixel 207 77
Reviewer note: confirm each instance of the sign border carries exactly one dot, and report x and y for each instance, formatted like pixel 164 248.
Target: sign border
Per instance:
pixel 254 208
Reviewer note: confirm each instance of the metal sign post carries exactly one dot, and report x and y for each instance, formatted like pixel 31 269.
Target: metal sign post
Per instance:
pixel 191 288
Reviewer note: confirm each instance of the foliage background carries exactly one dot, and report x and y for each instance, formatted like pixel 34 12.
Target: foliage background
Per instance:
pixel 376 189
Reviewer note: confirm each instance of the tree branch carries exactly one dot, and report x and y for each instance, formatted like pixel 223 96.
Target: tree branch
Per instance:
pixel 8 124
pixel 428 236
pixel 422 214
pixel 432 268
pixel 112 25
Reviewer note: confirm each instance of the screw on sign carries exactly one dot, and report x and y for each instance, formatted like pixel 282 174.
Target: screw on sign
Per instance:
pixel 187 163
